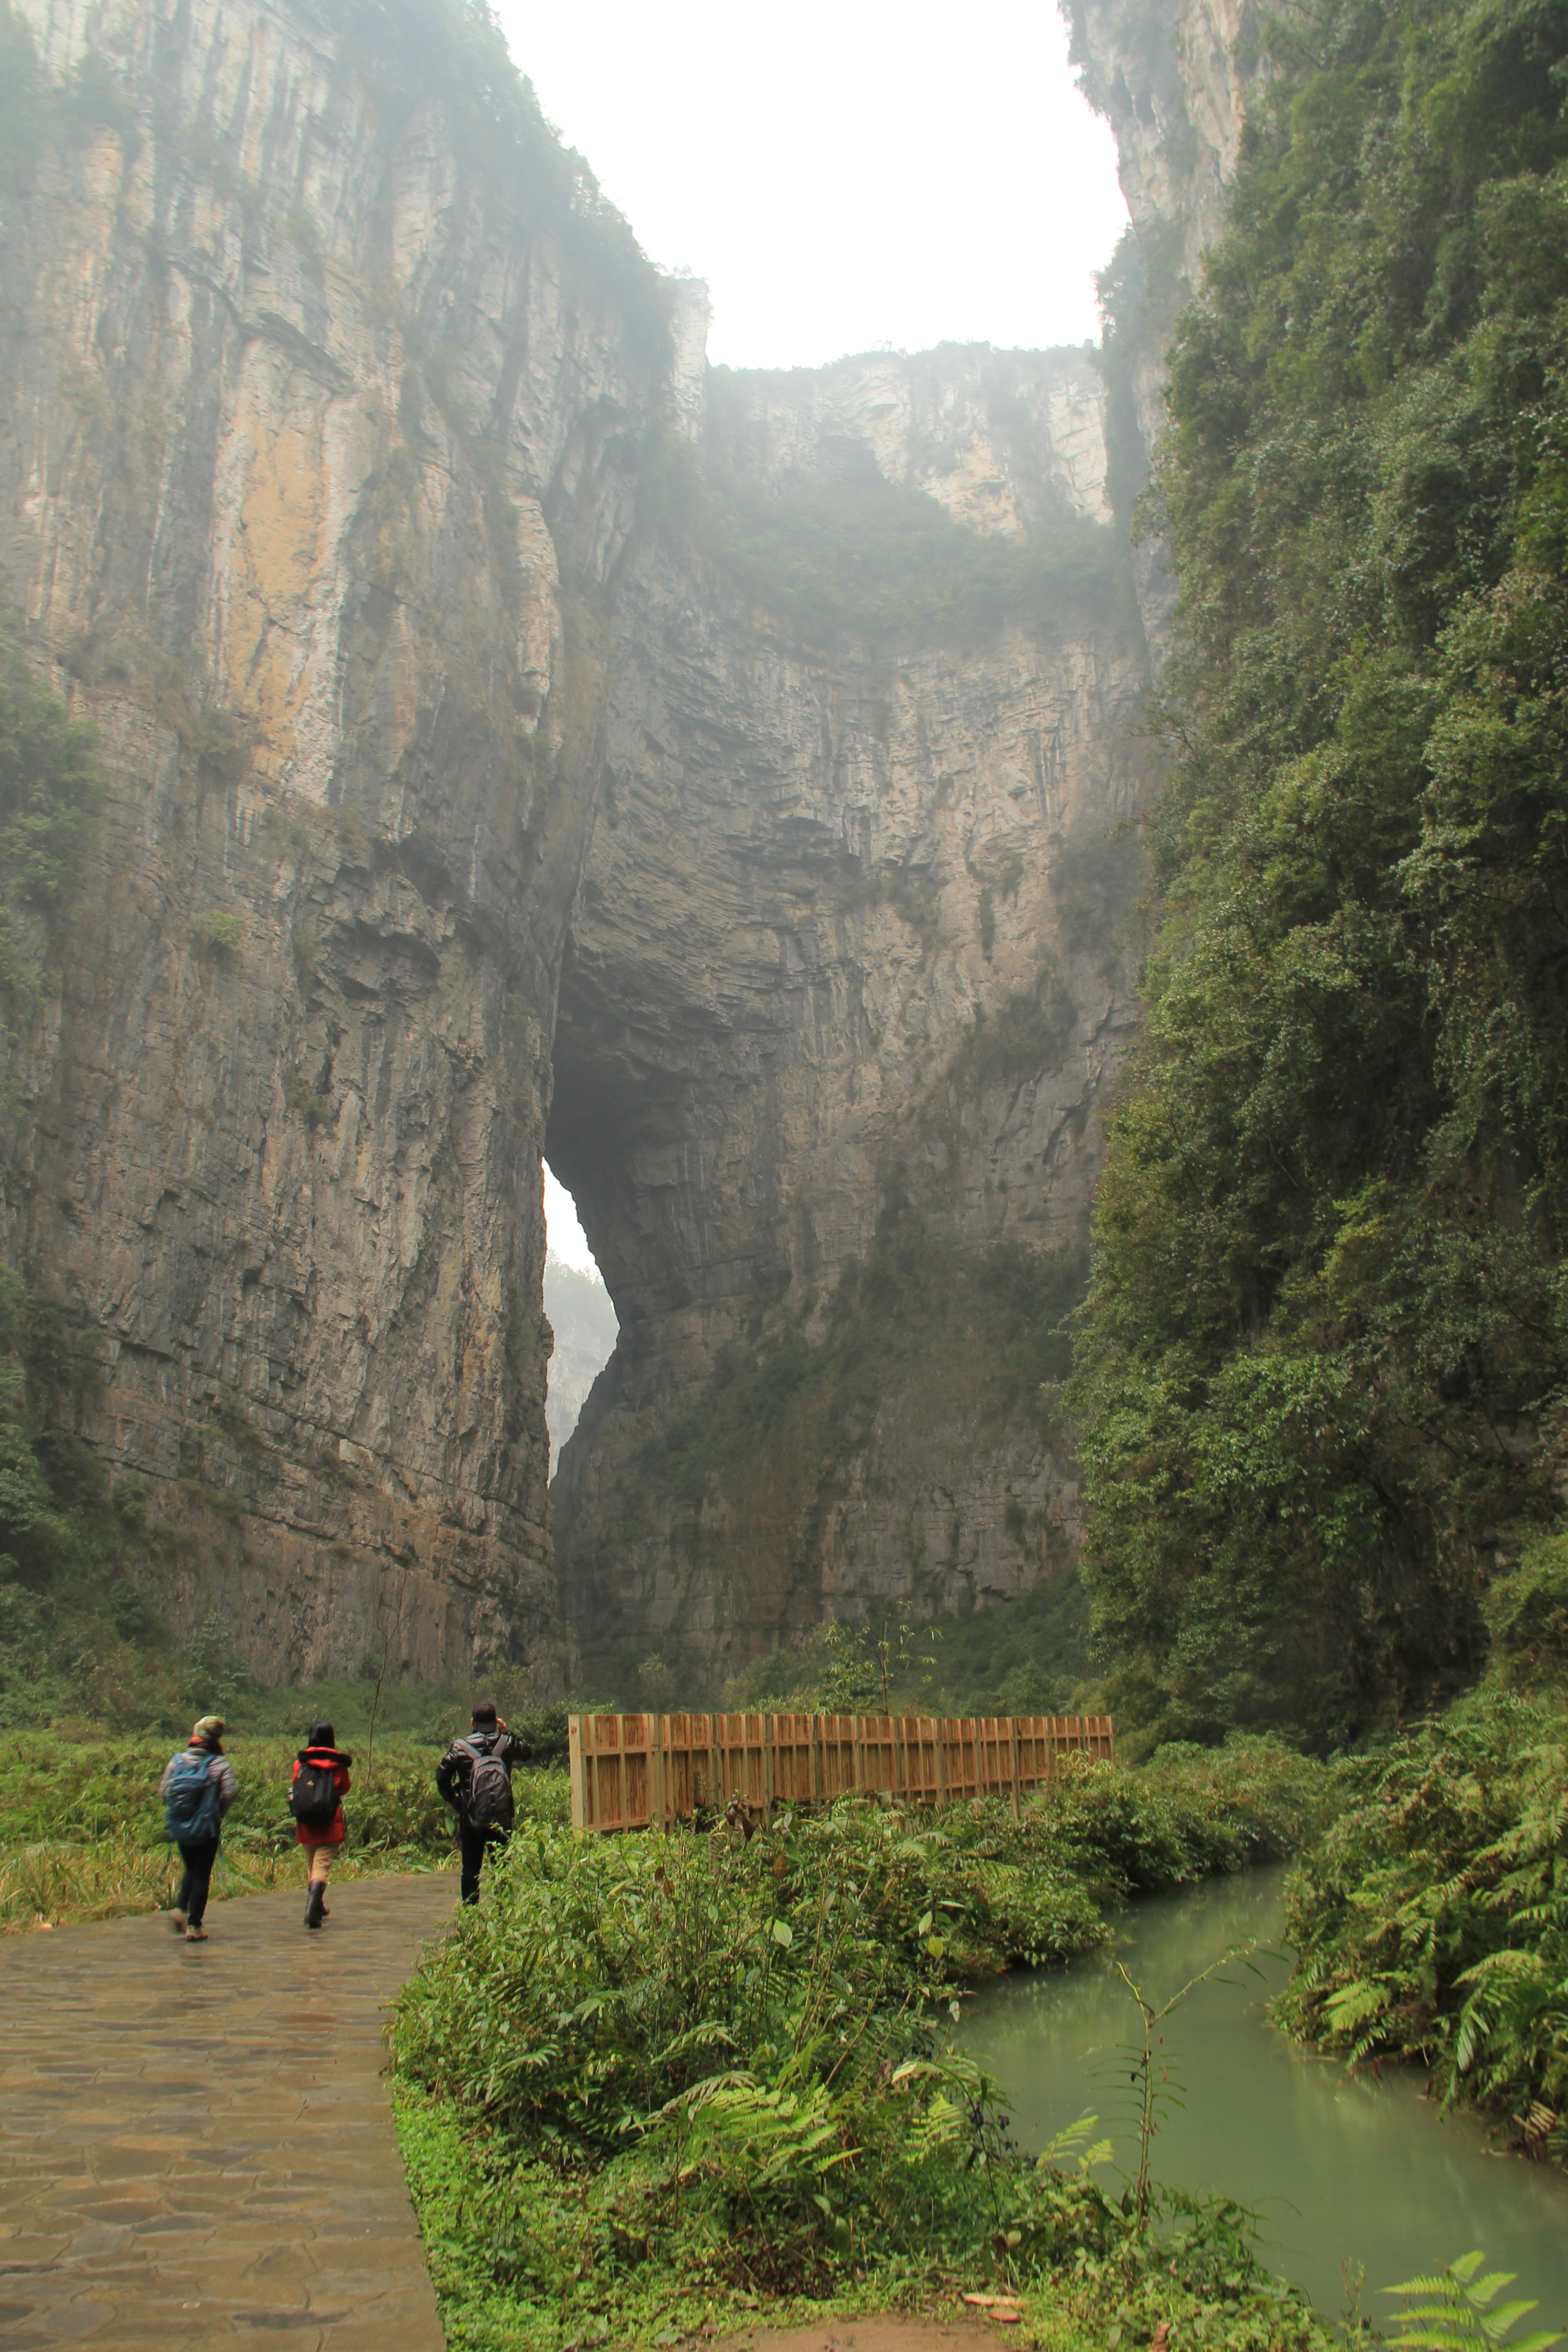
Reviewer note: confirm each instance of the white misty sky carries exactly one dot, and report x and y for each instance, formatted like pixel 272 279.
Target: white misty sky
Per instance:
pixel 565 1234
pixel 845 173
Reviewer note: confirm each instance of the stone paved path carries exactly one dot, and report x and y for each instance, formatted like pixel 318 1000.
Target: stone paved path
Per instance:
pixel 197 2145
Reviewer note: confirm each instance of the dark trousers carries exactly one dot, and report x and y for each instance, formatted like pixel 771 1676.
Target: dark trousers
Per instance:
pixel 474 1843
pixel 198 1858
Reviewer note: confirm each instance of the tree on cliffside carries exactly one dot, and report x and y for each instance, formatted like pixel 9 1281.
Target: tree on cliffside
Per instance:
pixel 1321 1372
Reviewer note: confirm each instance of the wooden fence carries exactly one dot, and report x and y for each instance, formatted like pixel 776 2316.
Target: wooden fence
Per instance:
pixel 630 1770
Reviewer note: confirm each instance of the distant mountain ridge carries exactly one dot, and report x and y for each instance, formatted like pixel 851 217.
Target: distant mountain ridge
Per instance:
pixel 585 1325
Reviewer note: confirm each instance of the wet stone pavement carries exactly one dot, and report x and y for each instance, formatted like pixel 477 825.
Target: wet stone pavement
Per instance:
pixel 196 2142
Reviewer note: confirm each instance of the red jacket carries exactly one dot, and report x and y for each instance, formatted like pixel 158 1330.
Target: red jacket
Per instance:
pixel 337 1829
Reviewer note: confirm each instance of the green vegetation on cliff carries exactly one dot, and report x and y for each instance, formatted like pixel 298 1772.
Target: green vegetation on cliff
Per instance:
pixel 1322 1371
pixel 876 563
pixel 914 1305
pixel 879 562
pixel 50 783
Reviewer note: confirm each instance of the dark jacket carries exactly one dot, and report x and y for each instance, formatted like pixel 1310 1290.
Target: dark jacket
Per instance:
pixel 454 1770
pixel 336 1830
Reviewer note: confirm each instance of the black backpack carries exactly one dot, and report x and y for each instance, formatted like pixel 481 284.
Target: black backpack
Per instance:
pixel 313 1799
pixel 486 1800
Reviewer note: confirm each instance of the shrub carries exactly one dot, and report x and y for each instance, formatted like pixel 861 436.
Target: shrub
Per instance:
pixel 1431 1921
pixel 218 934
pixel 305 1101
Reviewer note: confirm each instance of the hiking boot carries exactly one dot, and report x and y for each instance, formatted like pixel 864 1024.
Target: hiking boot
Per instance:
pixel 315 1904
pixel 195 1934
pixel 177 1921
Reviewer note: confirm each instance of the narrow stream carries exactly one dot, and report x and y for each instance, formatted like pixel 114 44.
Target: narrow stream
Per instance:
pixel 1339 2168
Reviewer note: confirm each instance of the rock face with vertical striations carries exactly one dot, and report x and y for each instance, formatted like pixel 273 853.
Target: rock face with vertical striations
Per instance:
pixel 318 440
pixel 1173 81
pixel 825 994
pixel 521 736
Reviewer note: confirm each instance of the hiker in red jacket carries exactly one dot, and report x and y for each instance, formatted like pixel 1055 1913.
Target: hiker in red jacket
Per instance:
pixel 319 1784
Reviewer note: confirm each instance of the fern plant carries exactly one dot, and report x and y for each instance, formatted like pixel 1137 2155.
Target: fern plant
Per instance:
pixel 1453 2311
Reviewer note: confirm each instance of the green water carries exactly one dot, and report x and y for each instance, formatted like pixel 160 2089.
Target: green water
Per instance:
pixel 1339 2168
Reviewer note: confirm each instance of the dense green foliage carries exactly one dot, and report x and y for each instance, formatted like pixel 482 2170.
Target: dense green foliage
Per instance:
pixel 724 2063
pixel 877 562
pixel 1322 1361
pixel 1432 1918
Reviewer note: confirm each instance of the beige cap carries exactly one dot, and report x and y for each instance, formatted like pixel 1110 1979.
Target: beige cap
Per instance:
pixel 210 1727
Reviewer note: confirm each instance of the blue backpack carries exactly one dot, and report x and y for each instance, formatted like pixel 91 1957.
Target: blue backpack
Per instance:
pixel 190 1808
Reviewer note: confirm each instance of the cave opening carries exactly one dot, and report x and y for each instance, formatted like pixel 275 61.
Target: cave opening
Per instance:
pixel 581 1310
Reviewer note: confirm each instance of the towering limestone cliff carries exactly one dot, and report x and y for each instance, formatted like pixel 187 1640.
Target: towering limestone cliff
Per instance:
pixel 518 737
pixel 1171 78
pixel 839 950
pixel 323 378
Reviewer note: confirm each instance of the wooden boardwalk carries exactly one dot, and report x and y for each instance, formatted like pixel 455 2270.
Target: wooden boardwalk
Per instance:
pixel 196 2145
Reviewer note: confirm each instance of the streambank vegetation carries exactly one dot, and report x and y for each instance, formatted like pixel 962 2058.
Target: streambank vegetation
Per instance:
pixel 657 2079
pixel 1430 1920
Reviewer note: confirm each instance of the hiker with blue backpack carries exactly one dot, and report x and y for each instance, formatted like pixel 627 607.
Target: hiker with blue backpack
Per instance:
pixel 320 1782
pixel 474 1777
pixel 197 1787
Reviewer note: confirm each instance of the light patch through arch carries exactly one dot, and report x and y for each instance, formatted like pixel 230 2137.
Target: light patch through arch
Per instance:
pixel 580 1312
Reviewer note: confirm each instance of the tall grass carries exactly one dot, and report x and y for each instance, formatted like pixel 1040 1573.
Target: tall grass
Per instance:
pixel 81 1828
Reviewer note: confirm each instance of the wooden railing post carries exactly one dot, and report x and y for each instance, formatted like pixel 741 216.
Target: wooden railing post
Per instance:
pixel 574 1769
pixel 656 1811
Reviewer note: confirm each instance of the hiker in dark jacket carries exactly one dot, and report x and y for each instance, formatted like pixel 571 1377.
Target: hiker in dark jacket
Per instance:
pixel 474 1777
pixel 317 1788
pixel 197 1787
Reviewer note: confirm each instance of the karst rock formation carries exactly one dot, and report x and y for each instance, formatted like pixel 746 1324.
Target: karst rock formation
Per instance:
pixel 469 800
